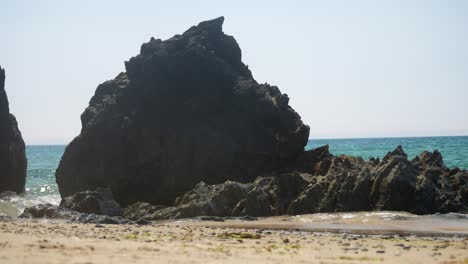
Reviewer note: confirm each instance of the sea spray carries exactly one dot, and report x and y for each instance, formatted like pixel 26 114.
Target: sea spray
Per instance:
pixel 13 205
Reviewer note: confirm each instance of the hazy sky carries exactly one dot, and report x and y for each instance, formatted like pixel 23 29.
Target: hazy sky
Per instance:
pixel 351 68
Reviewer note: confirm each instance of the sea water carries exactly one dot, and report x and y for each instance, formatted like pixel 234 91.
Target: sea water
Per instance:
pixel 454 149
pixel 40 180
pixel 43 161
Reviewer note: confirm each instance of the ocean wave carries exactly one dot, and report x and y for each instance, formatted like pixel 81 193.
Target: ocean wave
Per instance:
pixel 355 217
pixel 13 204
pixel 384 220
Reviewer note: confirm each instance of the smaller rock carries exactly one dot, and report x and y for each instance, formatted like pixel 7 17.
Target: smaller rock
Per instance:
pixel 248 218
pixel 315 161
pixel 212 218
pixel 50 211
pixel 99 202
pixel 427 158
pixel 397 152
pixel 46 211
pixel 142 222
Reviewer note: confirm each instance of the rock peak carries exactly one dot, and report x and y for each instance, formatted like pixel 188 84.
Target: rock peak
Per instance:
pixel 428 158
pixel 4 108
pixel 206 41
pixel 397 152
pixel 213 24
pixel 2 78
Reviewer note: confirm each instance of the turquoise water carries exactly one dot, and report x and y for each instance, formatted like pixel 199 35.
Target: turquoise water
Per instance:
pixel 43 161
pixel 454 149
pixel 40 182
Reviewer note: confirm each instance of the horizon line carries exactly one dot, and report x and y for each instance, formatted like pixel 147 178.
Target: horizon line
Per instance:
pixel 331 138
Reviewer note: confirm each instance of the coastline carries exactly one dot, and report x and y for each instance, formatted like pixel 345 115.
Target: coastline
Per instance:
pixel 189 241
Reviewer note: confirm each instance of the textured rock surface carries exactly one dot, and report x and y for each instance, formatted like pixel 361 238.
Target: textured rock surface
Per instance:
pixel 265 196
pixel 50 211
pixel 332 184
pixel 99 202
pixel 12 149
pixel 186 110
pixel 141 210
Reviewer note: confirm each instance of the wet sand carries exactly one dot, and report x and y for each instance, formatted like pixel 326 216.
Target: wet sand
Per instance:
pixel 41 241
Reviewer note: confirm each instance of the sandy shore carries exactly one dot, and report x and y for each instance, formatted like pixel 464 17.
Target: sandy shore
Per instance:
pixel 41 241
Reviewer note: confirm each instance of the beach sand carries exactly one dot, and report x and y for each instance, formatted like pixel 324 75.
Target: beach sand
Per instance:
pixel 47 241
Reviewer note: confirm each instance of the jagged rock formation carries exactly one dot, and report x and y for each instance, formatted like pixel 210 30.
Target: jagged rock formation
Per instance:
pixel 423 185
pixel 321 183
pixel 12 148
pixel 329 183
pixel 186 110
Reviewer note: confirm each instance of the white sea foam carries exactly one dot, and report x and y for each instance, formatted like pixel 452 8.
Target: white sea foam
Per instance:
pixel 13 204
pixel 384 220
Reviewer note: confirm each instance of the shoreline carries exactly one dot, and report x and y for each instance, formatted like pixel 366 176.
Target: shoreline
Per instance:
pixel 372 223
pixel 232 241
pixel 350 231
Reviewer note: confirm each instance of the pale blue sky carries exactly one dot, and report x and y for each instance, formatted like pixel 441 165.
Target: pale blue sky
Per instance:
pixel 351 68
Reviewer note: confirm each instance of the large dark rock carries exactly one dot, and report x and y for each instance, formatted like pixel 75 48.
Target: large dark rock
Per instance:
pixel 12 149
pixel 329 183
pixel 186 110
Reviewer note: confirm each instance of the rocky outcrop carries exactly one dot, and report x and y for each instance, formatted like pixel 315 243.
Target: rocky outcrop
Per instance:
pixel 186 110
pixel 322 182
pixel 96 207
pixel 422 186
pixel 12 148
pixel 100 202
pixel 265 196
pixel 329 183
pixel 49 211
pixel 187 128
